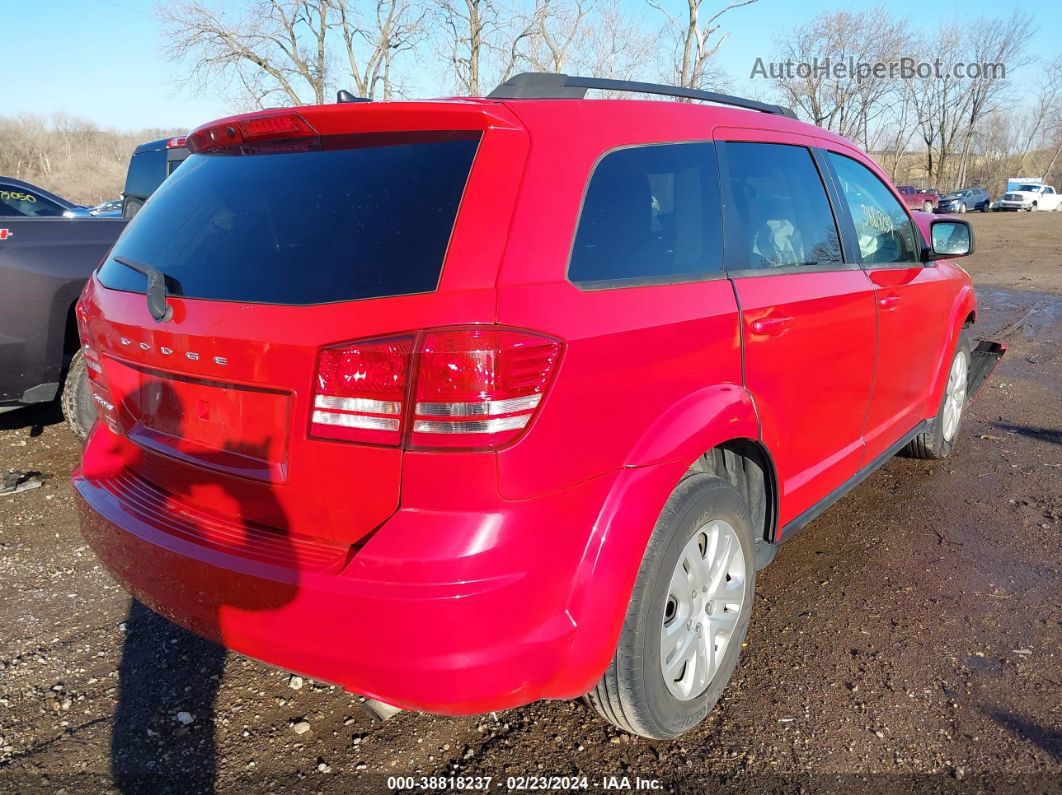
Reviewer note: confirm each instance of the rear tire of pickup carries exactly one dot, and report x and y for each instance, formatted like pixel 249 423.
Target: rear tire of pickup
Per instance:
pixel 927 207
pixel 79 410
pixel 702 544
pixel 938 440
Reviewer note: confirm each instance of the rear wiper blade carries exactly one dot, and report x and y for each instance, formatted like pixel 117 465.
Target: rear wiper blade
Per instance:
pixel 156 288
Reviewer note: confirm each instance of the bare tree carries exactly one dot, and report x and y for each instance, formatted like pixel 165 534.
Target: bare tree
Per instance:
pixel 277 51
pixel 518 41
pixel 614 45
pixel 848 103
pixel 941 104
pixel 698 41
pixel 991 41
pixel 901 121
pixel 1047 108
pixel 397 26
pixel 558 25
pixel 68 155
pixel 997 136
pixel 467 24
pixel 1054 157
pixel 486 41
pixel 287 51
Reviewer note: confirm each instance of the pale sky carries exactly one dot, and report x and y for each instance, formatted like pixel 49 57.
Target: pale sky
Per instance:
pixel 102 59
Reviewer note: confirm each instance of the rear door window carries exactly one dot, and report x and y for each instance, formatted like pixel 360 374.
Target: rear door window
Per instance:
pixel 370 217
pixel 785 215
pixel 651 214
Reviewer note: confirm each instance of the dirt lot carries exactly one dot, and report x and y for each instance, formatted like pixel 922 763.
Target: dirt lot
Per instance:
pixel 907 639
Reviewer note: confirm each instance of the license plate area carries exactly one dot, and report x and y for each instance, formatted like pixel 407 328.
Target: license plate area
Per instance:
pixel 233 428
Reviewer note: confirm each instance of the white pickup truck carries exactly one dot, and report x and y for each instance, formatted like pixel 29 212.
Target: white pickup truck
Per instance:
pixel 1031 197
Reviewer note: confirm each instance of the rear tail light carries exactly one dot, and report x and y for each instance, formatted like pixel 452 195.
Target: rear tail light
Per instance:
pixel 101 393
pixel 361 391
pixel 479 387
pixel 285 131
pixel 177 143
pixel 472 388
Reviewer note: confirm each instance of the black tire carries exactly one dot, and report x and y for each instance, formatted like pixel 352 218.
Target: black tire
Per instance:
pixel 79 410
pixel 931 444
pixel 633 695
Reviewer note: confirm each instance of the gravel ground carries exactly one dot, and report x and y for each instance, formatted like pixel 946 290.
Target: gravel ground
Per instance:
pixel 906 640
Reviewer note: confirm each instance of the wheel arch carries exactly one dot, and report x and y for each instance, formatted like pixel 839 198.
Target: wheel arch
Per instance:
pixel 962 315
pixel 748 466
pixel 715 429
pixel 700 421
pixel 62 336
pixel 71 337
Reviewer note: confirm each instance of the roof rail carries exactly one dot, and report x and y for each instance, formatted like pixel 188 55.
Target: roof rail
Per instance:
pixel 554 85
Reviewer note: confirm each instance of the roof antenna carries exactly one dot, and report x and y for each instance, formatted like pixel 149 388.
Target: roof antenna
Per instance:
pixel 345 96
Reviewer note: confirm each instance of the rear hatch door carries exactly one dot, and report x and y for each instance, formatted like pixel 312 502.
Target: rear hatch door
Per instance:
pixel 271 255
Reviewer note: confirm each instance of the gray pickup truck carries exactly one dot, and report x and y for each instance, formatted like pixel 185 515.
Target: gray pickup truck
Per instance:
pixel 48 248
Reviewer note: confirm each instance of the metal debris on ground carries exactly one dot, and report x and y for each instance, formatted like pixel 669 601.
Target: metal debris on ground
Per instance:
pixel 16 481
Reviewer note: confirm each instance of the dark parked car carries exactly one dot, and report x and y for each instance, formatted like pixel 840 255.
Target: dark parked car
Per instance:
pixel 150 164
pixel 20 199
pixel 47 251
pixel 961 201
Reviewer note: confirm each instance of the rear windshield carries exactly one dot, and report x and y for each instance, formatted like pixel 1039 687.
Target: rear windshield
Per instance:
pixel 364 217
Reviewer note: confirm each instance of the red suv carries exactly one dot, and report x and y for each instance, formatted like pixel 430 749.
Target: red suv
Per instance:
pixel 466 403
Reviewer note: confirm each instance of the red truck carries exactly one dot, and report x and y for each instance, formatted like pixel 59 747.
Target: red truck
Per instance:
pixel 466 403
pixel 918 199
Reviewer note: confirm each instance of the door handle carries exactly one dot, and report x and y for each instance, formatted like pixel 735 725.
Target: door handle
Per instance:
pixel 889 301
pixel 774 326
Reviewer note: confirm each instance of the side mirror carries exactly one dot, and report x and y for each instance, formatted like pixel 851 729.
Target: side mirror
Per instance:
pixel 951 238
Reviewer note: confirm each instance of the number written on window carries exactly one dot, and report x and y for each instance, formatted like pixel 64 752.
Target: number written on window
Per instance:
pixel 881 223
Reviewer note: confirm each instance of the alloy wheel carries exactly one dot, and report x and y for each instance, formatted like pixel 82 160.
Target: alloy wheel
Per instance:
pixel 704 602
pixel 955 399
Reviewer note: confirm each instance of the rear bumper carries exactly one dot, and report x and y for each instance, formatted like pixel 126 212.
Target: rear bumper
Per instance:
pixel 446 611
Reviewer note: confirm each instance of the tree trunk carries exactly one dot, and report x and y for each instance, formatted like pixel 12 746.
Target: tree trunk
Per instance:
pixel 1051 165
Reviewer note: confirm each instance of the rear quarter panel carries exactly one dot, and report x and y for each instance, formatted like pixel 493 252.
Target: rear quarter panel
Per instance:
pixel 633 385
